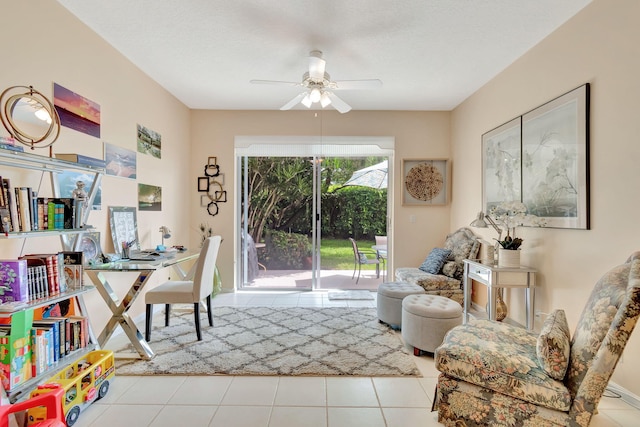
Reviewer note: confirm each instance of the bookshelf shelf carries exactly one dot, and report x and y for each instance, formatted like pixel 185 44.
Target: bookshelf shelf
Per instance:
pixel 24 389
pixel 24 160
pixel 70 241
pixel 43 302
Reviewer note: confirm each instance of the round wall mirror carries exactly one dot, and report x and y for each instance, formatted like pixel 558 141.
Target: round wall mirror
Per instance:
pixel 29 116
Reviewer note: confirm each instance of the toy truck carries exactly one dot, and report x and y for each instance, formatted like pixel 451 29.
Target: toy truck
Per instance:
pixel 84 381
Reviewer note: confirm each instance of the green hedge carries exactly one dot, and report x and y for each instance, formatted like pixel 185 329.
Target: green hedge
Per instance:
pixel 286 251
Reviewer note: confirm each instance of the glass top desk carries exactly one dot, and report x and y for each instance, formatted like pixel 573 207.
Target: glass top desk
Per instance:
pixel 119 309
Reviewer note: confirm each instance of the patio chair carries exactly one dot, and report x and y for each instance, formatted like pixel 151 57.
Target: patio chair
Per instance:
pixel 360 258
pixel 381 254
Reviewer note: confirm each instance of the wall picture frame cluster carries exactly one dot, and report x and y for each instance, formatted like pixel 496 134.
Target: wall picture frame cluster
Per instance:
pixel 541 158
pixel 212 184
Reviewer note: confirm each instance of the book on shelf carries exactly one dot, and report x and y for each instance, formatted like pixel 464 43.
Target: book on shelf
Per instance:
pixel 42 357
pixel 14 280
pixel 73 268
pixel 23 198
pixel 55 271
pixel 17 148
pixel 11 202
pixel 81 159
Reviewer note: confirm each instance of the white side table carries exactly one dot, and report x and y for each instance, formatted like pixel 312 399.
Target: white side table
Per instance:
pixel 494 277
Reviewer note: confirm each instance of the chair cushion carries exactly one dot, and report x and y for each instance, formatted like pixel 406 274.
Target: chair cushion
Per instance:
pixel 554 345
pixel 172 292
pixel 435 260
pixel 428 281
pixel 500 357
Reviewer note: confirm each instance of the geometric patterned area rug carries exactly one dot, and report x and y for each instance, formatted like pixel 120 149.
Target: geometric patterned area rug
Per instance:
pixel 281 341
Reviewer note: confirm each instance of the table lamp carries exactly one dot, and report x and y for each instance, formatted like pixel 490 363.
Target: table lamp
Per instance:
pixel 481 222
pixel 166 233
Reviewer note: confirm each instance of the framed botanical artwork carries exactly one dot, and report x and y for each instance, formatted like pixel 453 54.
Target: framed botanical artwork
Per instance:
pixel 501 164
pixel 425 182
pixel 555 166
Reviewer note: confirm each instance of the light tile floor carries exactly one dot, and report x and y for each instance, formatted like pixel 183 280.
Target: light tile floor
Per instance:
pixel 235 401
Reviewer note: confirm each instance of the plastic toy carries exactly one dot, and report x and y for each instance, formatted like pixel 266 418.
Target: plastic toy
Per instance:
pixel 49 405
pixel 84 381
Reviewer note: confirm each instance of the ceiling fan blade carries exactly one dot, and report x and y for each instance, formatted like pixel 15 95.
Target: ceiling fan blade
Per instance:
pixel 274 82
pixel 293 102
pixel 356 84
pixel 338 103
pixel 316 65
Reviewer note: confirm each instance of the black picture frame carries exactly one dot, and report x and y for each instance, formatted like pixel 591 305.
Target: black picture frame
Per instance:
pixel 203 184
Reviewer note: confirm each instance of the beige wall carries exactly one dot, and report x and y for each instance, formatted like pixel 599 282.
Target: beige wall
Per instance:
pixel 42 43
pixel 417 135
pixel 599 46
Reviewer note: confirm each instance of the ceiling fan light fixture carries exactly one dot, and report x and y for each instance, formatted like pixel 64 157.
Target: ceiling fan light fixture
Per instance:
pixel 306 101
pixel 315 95
pixel 324 99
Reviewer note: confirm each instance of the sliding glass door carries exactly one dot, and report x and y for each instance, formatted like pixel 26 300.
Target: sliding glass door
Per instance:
pixel 293 197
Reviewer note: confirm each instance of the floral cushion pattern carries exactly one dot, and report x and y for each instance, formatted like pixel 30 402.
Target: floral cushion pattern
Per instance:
pixel 463 244
pixel 435 260
pixel 491 374
pixel 503 358
pixel 429 282
pixel 482 407
pixel 553 345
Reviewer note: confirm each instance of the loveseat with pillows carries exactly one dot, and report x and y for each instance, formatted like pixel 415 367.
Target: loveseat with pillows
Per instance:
pixel 441 272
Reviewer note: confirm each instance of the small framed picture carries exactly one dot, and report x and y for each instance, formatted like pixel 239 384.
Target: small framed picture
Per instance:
pixel 203 184
pixel 425 182
pixel 90 247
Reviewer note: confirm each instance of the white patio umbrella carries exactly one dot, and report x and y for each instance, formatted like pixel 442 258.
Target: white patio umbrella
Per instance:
pixel 374 176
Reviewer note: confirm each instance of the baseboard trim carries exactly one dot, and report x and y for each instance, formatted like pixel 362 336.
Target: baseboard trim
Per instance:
pixel 626 396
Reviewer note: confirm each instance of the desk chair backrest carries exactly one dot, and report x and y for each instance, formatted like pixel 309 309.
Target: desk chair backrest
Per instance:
pixel 205 269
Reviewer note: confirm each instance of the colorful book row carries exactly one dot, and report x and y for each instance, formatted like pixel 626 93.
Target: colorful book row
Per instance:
pixel 22 210
pixel 37 276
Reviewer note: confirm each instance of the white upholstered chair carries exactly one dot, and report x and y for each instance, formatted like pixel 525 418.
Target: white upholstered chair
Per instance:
pixel 188 291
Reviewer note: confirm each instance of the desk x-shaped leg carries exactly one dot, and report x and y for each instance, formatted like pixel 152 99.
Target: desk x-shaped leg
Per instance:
pixel 120 309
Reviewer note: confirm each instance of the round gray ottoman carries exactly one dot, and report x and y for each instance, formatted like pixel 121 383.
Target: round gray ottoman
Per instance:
pixel 390 296
pixel 426 319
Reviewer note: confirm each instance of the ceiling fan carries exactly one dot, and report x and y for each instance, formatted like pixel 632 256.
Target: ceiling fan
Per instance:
pixel 319 87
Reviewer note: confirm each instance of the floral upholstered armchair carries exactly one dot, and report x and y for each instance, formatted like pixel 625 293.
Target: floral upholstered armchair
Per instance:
pixel 502 375
pixel 441 273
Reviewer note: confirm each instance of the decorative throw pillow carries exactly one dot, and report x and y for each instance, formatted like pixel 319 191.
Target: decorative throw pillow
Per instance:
pixel 451 269
pixel 435 260
pixel 554 345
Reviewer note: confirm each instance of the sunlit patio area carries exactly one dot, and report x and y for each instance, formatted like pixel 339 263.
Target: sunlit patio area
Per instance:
pixel 328 279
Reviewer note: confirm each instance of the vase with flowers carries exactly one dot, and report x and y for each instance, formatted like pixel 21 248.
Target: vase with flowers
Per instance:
pixel 509 216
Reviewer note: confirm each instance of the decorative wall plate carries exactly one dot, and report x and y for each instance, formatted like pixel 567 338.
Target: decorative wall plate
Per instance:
pixel 425 182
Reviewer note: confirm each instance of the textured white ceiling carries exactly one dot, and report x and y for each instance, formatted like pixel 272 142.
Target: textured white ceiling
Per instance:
pixel 429 54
